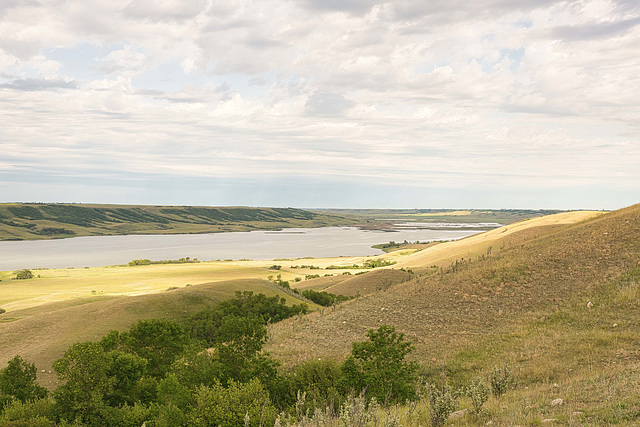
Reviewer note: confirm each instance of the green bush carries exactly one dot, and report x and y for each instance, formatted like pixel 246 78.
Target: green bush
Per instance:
pixel 18 380
pixel 442 402
pixel 40 409
pixel 24 274
pixel 140 262
pixel 478 392
pixel 501 380
pixel 324 298
pixel 237 405
pixel 378 367
pixel 317 380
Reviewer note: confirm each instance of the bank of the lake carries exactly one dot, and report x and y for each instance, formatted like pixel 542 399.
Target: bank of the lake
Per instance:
pixel 94 251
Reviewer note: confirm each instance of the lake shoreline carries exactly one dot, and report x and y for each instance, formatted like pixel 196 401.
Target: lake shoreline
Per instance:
pixel 96 251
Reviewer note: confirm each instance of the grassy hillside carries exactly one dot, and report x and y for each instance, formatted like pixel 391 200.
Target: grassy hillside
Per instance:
pixel 21 221
pixel 41 334
pixel 526 305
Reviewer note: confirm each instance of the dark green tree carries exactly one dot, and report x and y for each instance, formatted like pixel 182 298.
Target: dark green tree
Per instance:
pixel 158 341
pixel 378 365
pixel 24 274
pixel 85 370
pixel 125 371
pixel 18 380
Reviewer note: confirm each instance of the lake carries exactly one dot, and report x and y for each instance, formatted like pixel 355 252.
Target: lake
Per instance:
pixel 96 251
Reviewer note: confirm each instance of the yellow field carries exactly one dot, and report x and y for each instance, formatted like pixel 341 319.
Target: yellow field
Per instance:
pixel 57 285
pixel 471 246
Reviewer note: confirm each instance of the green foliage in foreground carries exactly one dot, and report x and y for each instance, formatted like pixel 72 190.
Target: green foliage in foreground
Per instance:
pixel 164 373
pixel 378 366
pixel 18 381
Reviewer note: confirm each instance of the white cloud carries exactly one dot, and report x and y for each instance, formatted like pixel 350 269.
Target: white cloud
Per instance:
pixel 452 94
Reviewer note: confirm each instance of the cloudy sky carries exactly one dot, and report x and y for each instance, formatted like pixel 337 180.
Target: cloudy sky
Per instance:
pixel 321 103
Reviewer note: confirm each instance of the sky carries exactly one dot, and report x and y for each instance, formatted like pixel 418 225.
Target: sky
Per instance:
pixel 321 103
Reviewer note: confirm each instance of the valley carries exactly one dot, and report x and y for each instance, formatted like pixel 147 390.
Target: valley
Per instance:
pixel 554 297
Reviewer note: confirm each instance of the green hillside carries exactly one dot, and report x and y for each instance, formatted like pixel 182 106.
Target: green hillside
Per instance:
pixel 22 221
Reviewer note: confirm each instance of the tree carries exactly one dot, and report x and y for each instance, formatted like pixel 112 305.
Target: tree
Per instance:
pixel 85 368
pixel 158 341
pixel 125 371
pixel 24 274
pixel 18 380
pixel 378 366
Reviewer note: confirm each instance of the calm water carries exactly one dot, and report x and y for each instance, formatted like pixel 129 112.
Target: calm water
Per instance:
pixel 290 243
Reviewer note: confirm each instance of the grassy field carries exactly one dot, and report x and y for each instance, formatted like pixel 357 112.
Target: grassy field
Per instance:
pixel 58 307
pixel 22 221
pixel 58 285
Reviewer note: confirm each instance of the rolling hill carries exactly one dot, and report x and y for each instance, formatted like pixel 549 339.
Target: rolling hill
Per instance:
pixel 42 333
pixel 24 221
pixel 525 302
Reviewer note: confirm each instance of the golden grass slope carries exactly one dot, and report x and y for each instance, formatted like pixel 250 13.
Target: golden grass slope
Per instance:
pixel 56 285
pixel 525 305
pixel 444 253
pixel 541 269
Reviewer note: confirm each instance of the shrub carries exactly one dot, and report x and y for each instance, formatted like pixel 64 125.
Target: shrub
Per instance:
pixel 442 402
pixel 2 311
pixel 323 298
pixel 239 404
pixel 501 380
pixel 34 413
pixel 378 366
pixel 18 380
pixel 478 392
pixel 24 274
pixel 356 413
pixel 317 380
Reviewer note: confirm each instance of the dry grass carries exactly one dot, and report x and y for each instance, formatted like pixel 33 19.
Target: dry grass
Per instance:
pixel 523 302
pixel 449 311
pixel 475 245
pixel 525 305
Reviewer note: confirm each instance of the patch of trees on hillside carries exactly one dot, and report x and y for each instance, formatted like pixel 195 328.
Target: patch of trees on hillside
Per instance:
pixel 210 370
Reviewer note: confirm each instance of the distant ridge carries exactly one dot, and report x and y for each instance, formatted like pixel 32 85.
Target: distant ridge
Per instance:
pixel 28 221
